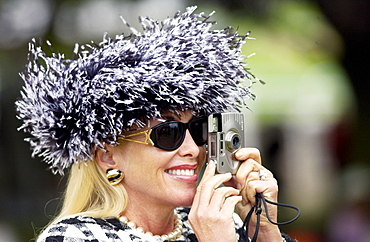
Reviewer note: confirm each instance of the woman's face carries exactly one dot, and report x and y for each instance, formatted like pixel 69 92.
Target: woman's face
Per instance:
pixel 164 177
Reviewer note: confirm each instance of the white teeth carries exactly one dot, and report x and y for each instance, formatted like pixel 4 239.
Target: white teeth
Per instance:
pixel 181 172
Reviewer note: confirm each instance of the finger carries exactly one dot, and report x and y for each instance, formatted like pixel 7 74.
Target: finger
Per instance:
pixel 254 176
pixel 219 196
pixel 267 188
pixel 230 203
pixel 249 153
pixel 243 209
pixel 207 188
pixel 208 173
pixel 244 170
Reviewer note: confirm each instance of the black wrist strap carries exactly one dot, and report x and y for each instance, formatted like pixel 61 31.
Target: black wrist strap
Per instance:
pixel 260 199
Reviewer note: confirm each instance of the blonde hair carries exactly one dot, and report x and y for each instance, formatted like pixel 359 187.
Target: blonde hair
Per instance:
pixel 89 193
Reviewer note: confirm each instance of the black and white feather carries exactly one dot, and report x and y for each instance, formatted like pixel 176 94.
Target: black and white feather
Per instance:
pixel 72 106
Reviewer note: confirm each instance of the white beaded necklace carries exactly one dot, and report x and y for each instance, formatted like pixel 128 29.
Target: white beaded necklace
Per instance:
pixel 175 234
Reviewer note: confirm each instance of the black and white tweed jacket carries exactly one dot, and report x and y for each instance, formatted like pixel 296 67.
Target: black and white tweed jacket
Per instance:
pixel 83 229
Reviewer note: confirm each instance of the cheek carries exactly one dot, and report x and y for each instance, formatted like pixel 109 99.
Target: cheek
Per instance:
pixel 149 159
pixel 127 156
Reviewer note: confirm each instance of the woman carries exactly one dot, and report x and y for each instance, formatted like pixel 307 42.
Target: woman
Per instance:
pixel 127 116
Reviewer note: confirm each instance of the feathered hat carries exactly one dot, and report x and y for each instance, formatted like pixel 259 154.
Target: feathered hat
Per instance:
pixel 72 106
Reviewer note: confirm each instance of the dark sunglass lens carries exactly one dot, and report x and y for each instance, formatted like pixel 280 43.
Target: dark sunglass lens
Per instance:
pixel 168 136
pixel 198 130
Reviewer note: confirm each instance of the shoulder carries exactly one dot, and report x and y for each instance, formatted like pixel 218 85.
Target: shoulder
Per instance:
pixel 82 228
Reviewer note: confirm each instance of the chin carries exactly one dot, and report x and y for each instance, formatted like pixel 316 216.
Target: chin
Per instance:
pixel 185 199
pixel 185 203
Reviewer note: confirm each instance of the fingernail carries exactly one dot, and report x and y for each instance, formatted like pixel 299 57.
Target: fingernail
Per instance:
pixel 210 167
pixel 239 154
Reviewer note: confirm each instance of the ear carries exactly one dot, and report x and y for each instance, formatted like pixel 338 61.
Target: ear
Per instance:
pixel 105 159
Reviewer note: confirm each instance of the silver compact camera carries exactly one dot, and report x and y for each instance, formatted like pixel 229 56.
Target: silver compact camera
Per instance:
pixel 225 137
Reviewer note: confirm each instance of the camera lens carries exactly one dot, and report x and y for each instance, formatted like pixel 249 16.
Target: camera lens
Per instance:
pixel 236 141
pixel 233 141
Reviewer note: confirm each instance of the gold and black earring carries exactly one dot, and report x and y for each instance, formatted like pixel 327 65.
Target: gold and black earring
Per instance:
pixel 114 176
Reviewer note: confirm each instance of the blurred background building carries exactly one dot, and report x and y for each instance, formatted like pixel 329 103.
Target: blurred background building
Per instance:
pixel 310 120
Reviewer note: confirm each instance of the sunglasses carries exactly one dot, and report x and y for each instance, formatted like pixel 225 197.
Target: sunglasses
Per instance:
pixel 170 135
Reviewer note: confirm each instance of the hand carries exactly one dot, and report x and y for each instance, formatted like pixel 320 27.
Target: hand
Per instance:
pixel 247 180
pixel 211 214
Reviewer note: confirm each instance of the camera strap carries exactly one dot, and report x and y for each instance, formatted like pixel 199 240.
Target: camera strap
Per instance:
pixel 260 199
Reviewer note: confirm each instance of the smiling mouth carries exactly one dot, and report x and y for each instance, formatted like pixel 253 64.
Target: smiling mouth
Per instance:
pixel 182 172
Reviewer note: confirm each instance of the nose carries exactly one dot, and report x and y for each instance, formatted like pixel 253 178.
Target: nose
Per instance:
pixel 189 148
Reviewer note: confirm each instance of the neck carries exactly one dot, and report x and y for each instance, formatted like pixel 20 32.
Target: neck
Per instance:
pixel 156 219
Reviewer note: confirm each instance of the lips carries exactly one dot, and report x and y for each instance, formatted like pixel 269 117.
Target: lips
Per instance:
pixel 183 172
